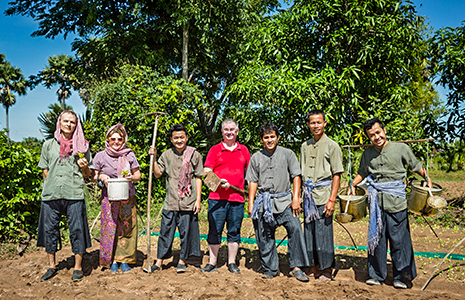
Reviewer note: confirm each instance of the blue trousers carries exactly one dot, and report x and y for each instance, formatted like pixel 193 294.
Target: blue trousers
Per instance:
pixel 319 240
pixel 265 235
pixel 395 230
pixel 188 227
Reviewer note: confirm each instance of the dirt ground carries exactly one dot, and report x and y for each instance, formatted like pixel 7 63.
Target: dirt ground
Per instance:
pixel 20 275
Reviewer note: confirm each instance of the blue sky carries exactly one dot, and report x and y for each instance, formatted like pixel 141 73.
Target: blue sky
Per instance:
pixel 31 53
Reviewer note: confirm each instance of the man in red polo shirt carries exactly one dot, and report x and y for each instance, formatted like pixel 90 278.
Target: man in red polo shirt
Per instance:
pixel 228 160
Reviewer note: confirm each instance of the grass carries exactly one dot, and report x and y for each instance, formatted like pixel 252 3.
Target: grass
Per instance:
pixel 441 175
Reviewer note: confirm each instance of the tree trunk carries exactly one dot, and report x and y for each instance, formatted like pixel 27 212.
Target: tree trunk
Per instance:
pixel 185 42
pixel 7 125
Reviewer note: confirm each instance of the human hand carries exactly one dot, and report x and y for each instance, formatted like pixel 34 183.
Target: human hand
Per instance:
pixel 152 151
pixel 224 183
pixel 351 189
pixel 104 178
pixel 296 206
pixel 329 208
pixel 249 210
pixel 197 207
pixel 82 162
pixel 129 177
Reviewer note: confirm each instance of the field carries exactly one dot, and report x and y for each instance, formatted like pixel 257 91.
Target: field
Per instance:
pixel 19 276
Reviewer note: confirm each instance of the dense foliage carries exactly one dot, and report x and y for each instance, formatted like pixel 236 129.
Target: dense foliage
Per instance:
pixel 125 99
pixel 448 53
pixel 20 189
pixel 353 59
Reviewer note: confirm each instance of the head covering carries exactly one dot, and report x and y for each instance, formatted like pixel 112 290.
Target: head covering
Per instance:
pixel 76 144
pixel 123 162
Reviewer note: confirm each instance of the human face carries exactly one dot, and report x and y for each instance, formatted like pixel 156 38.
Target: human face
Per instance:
pixel 67 125
pixel 377 136
pixel 115 141
pixel 229 132
pixel 317 125
pixel 179 140
pixel 270 141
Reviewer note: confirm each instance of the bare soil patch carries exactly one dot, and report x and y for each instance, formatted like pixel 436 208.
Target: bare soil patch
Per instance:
pixel 20 275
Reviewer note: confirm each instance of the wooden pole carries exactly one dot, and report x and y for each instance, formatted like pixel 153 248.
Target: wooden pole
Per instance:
pixel 406 142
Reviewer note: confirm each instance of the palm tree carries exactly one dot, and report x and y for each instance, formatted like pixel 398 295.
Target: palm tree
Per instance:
pixel 11 81
pixel 58 72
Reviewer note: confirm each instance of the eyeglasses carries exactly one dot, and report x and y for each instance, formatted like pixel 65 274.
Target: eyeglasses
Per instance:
pixel 114 139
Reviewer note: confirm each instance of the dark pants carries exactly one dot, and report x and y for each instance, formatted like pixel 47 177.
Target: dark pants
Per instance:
pixel 265 235
pixel 221 212
pixel 319 240
pixel 48 235
pixel 188 227
pixel 395 230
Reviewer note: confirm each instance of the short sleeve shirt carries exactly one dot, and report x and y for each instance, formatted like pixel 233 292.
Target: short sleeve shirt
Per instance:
pixel 319 161
pixel 170 163
pixel 64 179
pixel 388 164
pixel 274 173
pixel 107 165
pixel 230 165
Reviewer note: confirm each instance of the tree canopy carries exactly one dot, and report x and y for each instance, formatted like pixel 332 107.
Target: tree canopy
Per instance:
pixel 12 82
pixel 447 48
pixel 353 59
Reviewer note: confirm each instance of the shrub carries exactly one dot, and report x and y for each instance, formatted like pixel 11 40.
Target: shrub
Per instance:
pixel 20 189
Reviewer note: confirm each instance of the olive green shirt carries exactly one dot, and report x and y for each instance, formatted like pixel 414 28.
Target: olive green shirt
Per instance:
pixel 388 164
pixel 319 161
pixel 170 163
pixel 64 179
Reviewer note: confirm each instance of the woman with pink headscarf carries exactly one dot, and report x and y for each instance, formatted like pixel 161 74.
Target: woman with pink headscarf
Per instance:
pixel 118 232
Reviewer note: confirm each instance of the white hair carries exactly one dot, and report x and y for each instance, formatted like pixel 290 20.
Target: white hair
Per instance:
pixel 229 121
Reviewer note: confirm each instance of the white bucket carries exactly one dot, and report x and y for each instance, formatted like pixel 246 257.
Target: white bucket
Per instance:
pixel 118 189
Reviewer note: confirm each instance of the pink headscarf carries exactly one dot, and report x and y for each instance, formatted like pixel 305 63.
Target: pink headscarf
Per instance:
pixel 76 144
pixel 123 162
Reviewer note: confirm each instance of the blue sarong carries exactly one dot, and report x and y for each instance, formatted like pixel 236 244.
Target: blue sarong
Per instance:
pixel 265 199
pixel 375 225
pixel 310 210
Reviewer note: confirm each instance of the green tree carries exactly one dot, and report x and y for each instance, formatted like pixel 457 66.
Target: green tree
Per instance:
pixel 11 81
pixel 127 97
pixel 58 72
pixel 353 59
pixel 196 40
pixel 448 60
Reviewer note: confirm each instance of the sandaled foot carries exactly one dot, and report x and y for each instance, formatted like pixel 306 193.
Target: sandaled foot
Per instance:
pixel 152 269
pixel 181 268
pixel 300 276
pixel 125 267
pixel 268 275
pixel 399 284
pixel 373 281
pixel 325 277
pixel 208 268
pixel 114 267
pixel 49 274
pixel 233 268
pixel 77 275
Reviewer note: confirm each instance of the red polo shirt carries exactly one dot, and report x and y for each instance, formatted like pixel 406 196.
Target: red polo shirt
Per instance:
pixel 230 165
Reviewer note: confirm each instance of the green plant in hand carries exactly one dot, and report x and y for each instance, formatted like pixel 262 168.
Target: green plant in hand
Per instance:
pixel 81 155
pixel 125 172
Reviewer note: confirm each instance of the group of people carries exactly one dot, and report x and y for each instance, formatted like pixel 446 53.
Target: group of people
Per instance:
pixel 280 188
